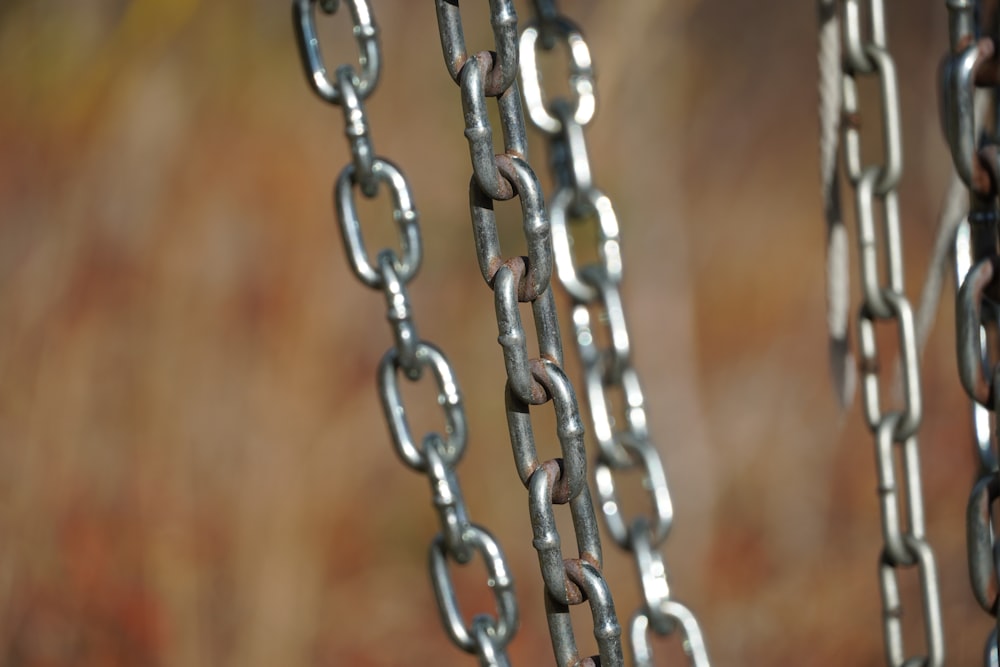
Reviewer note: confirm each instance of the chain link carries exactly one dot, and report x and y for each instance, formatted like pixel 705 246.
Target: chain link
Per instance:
pixel 970 70
pixel 530 381
pixel 595 291
pixel 866 54
pixel 436 455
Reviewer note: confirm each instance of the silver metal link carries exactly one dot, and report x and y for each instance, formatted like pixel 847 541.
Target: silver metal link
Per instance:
pixel 581 74
pixel 404 215
pixel 623 444
pixel 866 54
pixel 437 454
pixel 365 33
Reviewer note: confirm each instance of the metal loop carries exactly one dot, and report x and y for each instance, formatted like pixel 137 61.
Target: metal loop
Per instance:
pixel 901 313
pixel 692 640
pixel 479 132
pixel 503 20
pixel 974 365
pixel 499 580
pixel 891 168
pixel 569 159
pixel 543 493
pixel 856 49
pixel 981 542
pixel 604 422
pixel 892 611
pixel 958 108
pixel 365 34
pixel 653 575
pixel 654 480
pixel 868 251
pixel 581 74
pixel 356 130
pixel 511 335
pixel 447 498
pixel 896 545
pixel 404 215
pixel 400 315
pixel 449 398
pixel 607 630
pixel 535 223
pixel 616 359
pixel 569 430
pixel 608 243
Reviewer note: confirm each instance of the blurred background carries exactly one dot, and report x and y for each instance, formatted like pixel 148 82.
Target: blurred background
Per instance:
pixel 195 469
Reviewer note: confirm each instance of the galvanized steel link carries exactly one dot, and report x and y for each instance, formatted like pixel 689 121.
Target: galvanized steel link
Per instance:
pixel 436 454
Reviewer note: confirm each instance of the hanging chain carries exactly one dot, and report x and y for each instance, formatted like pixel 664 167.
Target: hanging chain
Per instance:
pixel 971 64
pixel 530 381
pixel 865 53
pixel 595 292
pixel 436 455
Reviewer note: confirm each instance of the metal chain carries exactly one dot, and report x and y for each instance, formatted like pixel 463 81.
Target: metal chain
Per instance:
pixel 595 292
pixel 530 382
pixel 865 53
pixel 436 455
pixel 972 64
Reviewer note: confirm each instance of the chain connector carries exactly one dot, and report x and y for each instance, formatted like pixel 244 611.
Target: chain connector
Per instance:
pixel 503 20
pixel 974 365
pixel 581 74
pixel 365 34
pixel 608 243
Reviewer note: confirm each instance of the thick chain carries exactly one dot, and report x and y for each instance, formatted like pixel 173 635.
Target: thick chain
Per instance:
pixel 865 53
pixel 595 292
pixel 434 455
pixel 973 64
pixel 530 382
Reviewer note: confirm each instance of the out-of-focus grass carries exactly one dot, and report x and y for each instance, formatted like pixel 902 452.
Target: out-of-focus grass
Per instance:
pixel 193 464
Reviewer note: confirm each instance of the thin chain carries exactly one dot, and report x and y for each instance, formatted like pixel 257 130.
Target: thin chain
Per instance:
pixel 972 64
pixel 436 455
pixel 530 382
pixel 594 289
pixel 865 53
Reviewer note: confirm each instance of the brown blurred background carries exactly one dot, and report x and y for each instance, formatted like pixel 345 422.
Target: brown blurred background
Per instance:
pixel 195 470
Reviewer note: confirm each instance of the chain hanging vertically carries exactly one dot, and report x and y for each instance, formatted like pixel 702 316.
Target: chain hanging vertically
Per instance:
pixel 866 54
pixel 595 291
pixel 434 455
pixel 530 382
pixel 971 69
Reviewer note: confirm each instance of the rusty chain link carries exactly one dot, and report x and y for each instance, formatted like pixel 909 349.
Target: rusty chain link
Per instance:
pixel 623 445
pixel 971 70
pixel 434 455
pixel 530 381
pixel 866 54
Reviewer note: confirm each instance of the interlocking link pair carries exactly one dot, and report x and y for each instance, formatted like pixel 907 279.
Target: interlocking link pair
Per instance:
pixel 530 381
pixel 434 454
pixel 866 54
pixel 623 440
pixel 971 69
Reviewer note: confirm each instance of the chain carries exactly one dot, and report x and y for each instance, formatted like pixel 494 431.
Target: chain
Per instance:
pixel 530 381
pixel 972 63
pixel 595 291
pixel 436 455
pixel 865 54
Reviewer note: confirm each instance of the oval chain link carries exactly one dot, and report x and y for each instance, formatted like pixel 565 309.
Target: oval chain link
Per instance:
pixel 971 69
pixel 530 382
pixel 594 289
pixel 433 454
pixel 894 428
